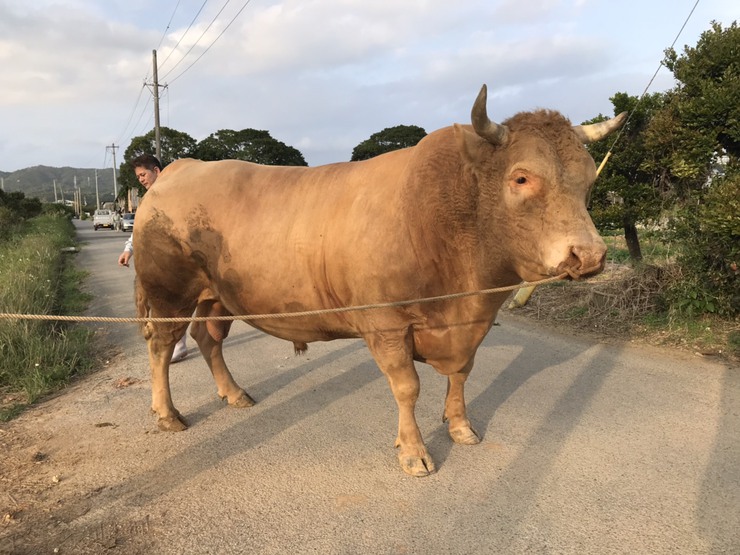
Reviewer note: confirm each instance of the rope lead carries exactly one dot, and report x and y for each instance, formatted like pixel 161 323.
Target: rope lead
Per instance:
pixel 247 317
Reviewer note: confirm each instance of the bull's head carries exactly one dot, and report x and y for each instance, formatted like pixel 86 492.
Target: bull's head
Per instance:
pixel 543 178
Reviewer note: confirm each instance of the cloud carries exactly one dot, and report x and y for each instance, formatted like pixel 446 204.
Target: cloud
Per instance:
pixel 321 75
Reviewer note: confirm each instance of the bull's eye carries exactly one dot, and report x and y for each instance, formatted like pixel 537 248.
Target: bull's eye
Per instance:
pixel 521 180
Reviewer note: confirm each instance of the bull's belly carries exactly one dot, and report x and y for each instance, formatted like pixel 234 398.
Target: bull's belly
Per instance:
pixel 303 330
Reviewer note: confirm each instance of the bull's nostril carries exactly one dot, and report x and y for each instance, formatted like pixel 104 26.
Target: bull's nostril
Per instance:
pixel 586 261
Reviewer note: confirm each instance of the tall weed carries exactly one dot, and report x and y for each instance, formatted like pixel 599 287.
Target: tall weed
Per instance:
pixel 38 356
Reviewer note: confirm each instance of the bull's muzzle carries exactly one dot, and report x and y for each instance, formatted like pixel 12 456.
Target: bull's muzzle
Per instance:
pixel 583 262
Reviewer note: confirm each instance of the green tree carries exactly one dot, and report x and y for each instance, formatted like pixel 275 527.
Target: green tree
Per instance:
pixel 699 125
pixel 173 145
pixel 696 140
pixel 628 191
pixel 251 145
pixel 17 202
pixel 387 140
pixel 707 97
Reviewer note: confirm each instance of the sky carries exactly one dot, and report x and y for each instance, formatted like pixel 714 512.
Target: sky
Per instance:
pixel 319 75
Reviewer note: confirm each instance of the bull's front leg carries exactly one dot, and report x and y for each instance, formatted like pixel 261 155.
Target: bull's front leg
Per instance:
pixel 161 345
pixel 393 354
pixel 455 412
pixel 210 337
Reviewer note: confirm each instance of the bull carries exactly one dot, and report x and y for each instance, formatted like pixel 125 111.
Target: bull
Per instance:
pixel 470 207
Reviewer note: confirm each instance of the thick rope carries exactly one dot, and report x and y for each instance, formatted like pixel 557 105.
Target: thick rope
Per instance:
pixel 247 317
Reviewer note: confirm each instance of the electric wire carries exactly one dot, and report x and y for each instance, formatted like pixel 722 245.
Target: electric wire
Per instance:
pixel 214 41
pixel 238 13
pixel 164 34
pixel 639 100
pixel 197 41
pixel 131 115
pixel 174 48
pixel 122 137
pixel 141 114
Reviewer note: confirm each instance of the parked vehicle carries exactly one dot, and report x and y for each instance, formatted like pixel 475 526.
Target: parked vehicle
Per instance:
pixel 127 222
pixel 105 218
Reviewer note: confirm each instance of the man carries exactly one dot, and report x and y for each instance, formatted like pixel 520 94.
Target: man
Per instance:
pixel 147 169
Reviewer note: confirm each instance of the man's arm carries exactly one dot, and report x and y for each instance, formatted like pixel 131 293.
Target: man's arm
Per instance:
pixel 128 251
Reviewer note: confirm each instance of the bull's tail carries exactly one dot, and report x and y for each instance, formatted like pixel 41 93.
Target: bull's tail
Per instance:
pixel 142 308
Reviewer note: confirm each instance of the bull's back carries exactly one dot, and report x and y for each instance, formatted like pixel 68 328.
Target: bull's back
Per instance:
pixel 275 239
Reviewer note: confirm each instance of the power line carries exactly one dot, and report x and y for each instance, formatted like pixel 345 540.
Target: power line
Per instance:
pixel 164 34
pixel 141 90
pixel 215 17
pixel 214 41
pixel 149 120
pixel 141 114
pixel 133 111
pixel 644 92
pixel 182 37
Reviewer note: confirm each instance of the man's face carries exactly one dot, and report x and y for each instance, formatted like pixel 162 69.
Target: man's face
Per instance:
pixel 146 177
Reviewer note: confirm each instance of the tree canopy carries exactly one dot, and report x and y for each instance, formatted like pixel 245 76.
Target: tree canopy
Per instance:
pixel 173 145
pixel 387 140
pixel 707 97
pixel 252 145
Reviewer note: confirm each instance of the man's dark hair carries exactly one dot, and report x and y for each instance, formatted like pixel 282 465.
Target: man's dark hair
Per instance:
pixel 146 161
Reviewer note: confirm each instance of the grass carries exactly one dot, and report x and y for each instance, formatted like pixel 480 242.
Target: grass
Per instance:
pixel 652 243
pixel 707 335
pixel 36 277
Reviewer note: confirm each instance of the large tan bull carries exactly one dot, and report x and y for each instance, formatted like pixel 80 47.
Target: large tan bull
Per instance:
pixel 468 208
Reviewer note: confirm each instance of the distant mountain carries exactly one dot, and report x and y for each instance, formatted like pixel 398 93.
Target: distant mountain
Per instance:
pixel 38 182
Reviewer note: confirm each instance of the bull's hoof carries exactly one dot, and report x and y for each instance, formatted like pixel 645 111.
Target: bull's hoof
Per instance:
pixel 417 466
pixel 172 424
pixel 464 436
pixel 241 402
pixel 414 460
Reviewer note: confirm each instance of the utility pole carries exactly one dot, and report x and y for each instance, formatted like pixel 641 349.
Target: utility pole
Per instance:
pixel 97 194
pixel 113 147
pixel 156 107
pixel 76 197
pixel 155 92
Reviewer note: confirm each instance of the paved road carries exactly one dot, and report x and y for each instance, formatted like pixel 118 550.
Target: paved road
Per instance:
pixel 587 448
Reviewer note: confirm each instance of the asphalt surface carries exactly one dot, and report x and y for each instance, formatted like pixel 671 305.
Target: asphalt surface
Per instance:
pixel 587 448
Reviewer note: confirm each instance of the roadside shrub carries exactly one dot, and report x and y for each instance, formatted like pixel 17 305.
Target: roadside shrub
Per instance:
pixel 10 223
pixel 57 210
pixel 708 235
pixel 18 203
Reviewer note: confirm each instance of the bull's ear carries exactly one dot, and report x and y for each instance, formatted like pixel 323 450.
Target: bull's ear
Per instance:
pixel 470 144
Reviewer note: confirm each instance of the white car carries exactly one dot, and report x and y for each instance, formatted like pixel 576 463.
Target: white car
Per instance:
pixel 104 218
pixel 127 222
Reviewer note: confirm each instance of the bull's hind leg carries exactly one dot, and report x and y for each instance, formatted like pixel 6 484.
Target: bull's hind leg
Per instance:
pixel 455 412
pixel 393 355
pixel 210 336
pixel 161 339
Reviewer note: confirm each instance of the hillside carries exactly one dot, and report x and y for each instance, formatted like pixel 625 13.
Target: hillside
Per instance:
pixel 38 181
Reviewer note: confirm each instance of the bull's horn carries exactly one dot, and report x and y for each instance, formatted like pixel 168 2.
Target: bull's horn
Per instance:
pixel 494 133
pixel 597 131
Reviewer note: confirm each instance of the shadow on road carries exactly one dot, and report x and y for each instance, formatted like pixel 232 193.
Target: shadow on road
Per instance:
pixel 718 515
pixel 254 428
